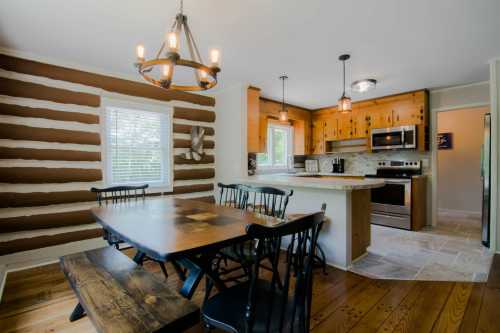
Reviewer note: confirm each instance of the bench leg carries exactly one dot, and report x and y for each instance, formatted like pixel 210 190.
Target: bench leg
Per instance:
pixel 78 312
pixel 139 258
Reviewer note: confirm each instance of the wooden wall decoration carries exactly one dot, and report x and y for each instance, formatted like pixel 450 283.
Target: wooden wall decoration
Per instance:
pixel 50 150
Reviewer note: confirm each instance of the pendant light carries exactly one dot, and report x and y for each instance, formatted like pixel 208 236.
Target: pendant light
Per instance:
pixel 284 111
pixel 344 103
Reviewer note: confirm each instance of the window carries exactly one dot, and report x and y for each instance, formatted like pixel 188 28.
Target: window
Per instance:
pixel 279 148
pixel 137 141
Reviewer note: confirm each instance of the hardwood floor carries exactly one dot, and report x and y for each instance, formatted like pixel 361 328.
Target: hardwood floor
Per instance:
pixel 40 300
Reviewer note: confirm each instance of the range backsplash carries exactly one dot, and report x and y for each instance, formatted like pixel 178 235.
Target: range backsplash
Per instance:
pixel 366 163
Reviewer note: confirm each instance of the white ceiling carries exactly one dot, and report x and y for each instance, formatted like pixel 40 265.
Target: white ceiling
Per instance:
pixel 404 44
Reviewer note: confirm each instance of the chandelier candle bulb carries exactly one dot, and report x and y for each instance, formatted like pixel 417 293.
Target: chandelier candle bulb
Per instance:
pixel 215 57
pixel 165 72
pixel 173 42
pixel 140 52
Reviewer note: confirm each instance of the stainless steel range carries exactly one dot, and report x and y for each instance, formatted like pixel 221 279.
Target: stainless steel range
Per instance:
pixel 392 203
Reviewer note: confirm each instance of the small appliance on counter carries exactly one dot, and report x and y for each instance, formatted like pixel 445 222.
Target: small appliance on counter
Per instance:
pixel 395 204
pixel 312 166
pixel 338 165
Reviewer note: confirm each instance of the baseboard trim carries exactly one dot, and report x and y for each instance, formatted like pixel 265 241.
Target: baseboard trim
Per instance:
pixel 458 213
pixel 40 257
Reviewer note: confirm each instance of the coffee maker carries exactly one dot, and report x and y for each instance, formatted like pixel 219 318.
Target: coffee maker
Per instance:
pixel 338 165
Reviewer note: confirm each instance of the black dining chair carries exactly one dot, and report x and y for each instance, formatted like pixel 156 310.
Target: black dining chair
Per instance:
pixel 232 195
pixel 119 194
pixel 268 201
pixel 260 305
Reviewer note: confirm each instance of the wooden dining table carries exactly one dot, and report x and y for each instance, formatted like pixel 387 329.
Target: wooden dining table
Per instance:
pixel 184 231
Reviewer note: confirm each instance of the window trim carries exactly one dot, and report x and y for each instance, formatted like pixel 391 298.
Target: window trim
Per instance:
pixel 148 106
pixel 289 153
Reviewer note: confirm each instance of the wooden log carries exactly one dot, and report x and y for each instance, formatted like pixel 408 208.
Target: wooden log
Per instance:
pixel 194 114
pixel 186 129
pixel 194 174
pixel 18 88
pixel 120 296
pixel 34 175
pixel 108 83
pixel 21 132
pixel 43 221
pixel 48 154
pixel 14 199
pixel 192 188
pixel 180 159
pixel 185 143
pixel 32 243
pixel 25 111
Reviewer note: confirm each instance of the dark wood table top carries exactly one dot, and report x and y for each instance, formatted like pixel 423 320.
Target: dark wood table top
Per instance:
pixel 167 227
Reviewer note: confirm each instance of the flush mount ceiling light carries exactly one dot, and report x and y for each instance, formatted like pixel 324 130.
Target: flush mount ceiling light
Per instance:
pixel 364 85
pixel 344 103
pixel 160 70
pixel 283 111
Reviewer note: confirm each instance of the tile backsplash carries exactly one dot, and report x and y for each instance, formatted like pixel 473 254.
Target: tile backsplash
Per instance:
pixel 366 163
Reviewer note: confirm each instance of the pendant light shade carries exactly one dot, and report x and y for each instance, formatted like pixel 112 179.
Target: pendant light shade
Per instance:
pixel 283 111
pixel 344 103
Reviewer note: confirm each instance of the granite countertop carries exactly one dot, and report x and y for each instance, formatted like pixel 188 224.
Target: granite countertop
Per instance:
pixel 341 184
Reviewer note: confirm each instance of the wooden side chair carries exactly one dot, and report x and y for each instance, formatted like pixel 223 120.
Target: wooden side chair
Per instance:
pixel 263 200
pixel 260 305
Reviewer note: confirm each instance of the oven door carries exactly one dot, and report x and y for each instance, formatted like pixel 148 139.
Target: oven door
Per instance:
pixel 387 138
pixel 393 198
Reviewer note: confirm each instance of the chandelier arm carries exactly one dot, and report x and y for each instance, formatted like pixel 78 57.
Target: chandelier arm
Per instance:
pixel 195 47
pixel 191 50
pixel 160 50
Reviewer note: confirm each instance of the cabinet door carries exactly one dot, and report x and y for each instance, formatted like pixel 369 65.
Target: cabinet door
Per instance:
pixel 408 115
pixel 381 118
pixel 263 122
pixel 344 121
pixel 359 124
pixel 331 128
pixel 253 121
pixel 318 136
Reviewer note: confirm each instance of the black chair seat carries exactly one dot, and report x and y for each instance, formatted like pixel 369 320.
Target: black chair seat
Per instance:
pixel 226 310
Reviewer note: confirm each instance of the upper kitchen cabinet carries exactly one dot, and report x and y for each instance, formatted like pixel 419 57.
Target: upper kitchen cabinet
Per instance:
pixel 262 111
pixel 318 136
pixel 398 110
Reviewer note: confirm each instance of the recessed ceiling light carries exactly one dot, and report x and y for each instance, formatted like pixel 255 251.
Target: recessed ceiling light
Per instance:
pixel 363 85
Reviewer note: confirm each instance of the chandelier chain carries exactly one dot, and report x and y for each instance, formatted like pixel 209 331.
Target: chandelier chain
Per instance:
pixel 182 7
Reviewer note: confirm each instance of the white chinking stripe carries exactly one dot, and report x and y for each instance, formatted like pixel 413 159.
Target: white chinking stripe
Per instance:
pixel 45 232
pixel 50 82
pixel 50 209
pixel 193 195
pixel 20 163
pixel 193 182
pixel 48 145
pixel 49 123
pixel 49 187
pixel 188 136
pixel 42 104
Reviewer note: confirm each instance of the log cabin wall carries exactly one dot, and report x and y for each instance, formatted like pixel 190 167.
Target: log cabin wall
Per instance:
pixel 50 150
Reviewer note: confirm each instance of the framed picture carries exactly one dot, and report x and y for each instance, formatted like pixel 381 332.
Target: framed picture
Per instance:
pixel 445 140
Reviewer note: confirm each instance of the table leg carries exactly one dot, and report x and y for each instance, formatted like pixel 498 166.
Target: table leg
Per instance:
pixel 139 257
pixel 197 267
pixel 78 312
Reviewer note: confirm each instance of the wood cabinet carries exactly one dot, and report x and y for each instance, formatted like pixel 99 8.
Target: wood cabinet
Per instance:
pixel 318 136
pixel 398 110
pixel 262 111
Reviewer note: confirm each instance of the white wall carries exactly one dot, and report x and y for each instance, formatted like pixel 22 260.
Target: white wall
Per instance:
pixel 446 99
pixel 459 180
pixel 230 134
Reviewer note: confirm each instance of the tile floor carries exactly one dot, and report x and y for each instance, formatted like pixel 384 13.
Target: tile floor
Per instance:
pixel 451 251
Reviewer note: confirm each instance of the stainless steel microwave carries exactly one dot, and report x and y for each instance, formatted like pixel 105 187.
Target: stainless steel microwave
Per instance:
pixel 401 137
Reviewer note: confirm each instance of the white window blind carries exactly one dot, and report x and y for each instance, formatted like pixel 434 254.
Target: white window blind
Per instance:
pixel 137 147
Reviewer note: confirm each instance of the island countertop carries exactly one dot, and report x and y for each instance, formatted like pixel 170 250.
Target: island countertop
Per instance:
pixel 339 183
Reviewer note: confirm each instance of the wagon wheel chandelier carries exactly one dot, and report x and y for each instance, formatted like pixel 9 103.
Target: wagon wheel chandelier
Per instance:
pixel 160 70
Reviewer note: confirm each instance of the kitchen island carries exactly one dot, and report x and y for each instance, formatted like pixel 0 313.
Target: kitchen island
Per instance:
pixel 346 234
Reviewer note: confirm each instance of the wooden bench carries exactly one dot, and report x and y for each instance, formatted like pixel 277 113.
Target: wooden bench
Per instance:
pixel 120 296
